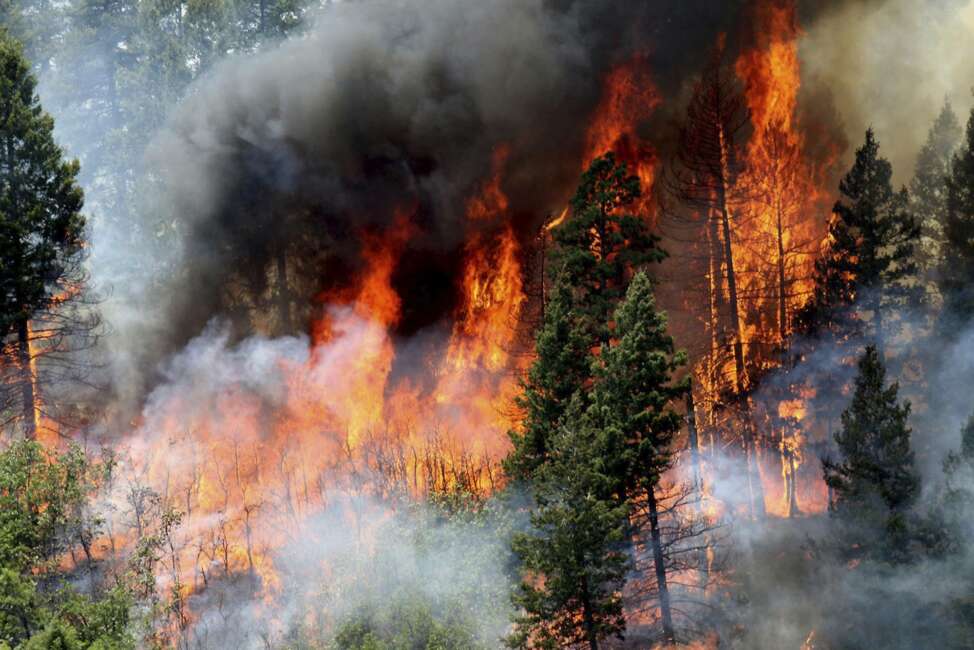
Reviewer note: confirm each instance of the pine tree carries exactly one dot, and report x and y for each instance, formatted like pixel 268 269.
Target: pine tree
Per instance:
pixel 600 244
pixel 957 498
pixel 37 24
pixel 41 227
pixel 705 176
pixel 633 409
pixel 634 392
pixel 596 249
pixel 928 189
pixel 573 560
pixel 560 370
pixel 957 271
pixel 870 260
pixel 875 477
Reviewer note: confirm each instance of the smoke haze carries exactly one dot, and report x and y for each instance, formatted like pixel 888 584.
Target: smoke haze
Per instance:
pixel 385 108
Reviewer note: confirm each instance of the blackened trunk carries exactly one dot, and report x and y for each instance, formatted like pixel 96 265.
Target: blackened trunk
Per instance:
pixel 735 313
pixel 693 440
pixel 26 379
pixel 754 485
pixel 666 613
pixel 782 293
pixel 793 510
pixel 694 443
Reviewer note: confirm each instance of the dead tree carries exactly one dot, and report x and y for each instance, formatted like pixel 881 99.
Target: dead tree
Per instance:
pixel 686 546
pixel 706 177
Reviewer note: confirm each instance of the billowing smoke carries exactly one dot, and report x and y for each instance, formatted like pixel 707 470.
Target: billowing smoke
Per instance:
pixel 239 436
pixel 384 109
pixel 276 163
pixel 890 65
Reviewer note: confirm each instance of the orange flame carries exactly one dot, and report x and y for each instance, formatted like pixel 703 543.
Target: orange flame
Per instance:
pixel 629 98
pixel 247 471
pixel 778 239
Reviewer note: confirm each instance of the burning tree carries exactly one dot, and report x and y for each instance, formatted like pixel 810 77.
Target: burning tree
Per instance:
pixel 707 177
pixel 704 177
pixel 781 189
pixel 42 226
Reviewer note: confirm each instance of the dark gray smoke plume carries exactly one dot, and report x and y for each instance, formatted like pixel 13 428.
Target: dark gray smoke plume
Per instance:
pixel 383 108
pixel 276 163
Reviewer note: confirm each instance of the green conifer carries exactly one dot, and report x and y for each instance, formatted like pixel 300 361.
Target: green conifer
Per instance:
pixel 600 243
pixel 573 561
pixel 875 481
pixel 561 369
pixel 928 189
pixel 870 261
pixel 41 226
pixel 957 272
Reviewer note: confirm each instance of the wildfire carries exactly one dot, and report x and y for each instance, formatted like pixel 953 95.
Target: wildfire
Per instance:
pixel 780 182
pixel 770 233
pixel 44 338
pixel 476 372
pixel 248 467
pixel 777 243
pixel 346 409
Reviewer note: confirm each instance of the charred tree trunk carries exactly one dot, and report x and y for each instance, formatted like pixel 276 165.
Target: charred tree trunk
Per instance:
pixel 27 379
pixel 716 309
pixel 782 292
pixel 755 488
pixel 693 440
pixel 705 175
pixel 666 613
pixel 735 310
pixel 694 443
